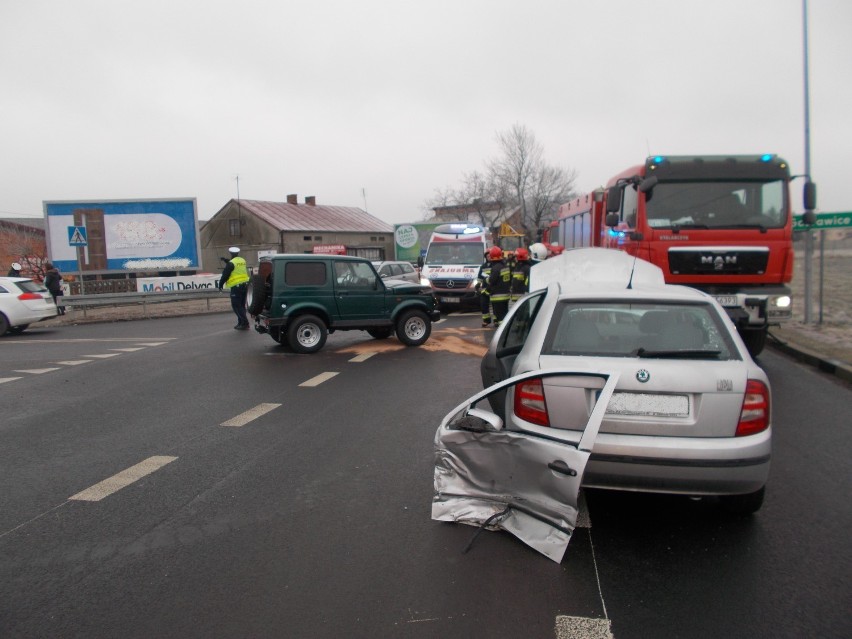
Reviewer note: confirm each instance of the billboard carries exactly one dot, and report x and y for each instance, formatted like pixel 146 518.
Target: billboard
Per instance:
pixel 411 240
pixel 122 236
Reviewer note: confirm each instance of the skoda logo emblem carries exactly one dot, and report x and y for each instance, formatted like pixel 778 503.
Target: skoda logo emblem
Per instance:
pixel 642 375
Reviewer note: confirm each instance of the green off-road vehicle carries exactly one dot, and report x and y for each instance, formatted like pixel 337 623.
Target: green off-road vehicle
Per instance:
pixel 300 299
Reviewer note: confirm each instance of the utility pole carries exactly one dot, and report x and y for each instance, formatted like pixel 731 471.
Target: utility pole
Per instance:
pixel 809 236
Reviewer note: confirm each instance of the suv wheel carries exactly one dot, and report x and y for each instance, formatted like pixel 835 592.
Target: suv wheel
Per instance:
pixel 256 294
pixel 307 334
pixel 413 328
pixel 379 333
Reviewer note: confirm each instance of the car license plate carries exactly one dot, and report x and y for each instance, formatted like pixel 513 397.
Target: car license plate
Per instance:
pixel 450 300
pixel 727 300
pixel 648 405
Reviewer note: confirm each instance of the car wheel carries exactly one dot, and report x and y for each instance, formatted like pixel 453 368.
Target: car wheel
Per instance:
pixel 413 328
pixel 307 334
pixel 4 324
pixel 17 330
pixel 754 341
pixel 256 294
pixel 743 504
pixel 380 333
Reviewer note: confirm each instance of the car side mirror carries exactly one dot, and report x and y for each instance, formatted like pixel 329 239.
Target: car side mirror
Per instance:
pixel 477 420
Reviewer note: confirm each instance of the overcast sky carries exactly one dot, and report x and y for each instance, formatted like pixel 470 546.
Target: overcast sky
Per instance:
pixel 170 98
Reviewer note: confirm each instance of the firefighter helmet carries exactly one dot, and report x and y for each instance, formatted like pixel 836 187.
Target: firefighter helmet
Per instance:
pixel 495 253
pixel 522 255
pixel 538 251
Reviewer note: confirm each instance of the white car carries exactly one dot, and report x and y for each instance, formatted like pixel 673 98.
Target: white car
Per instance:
pixel 397 271
pixel 23 302
pixel 689 412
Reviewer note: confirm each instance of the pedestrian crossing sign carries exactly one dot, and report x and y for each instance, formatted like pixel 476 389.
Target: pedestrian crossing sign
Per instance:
pixel 77 236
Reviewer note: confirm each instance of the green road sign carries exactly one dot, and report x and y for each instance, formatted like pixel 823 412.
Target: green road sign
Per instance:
pixel 825 221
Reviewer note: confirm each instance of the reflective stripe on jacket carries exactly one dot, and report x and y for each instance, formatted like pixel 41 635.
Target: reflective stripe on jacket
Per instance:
pixel 240 273
pixel 500 281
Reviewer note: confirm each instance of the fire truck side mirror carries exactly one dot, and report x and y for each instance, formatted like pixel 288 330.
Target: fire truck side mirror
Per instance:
pixel 613 201
pixel 612 219
pixel 809 193
pixel 648 183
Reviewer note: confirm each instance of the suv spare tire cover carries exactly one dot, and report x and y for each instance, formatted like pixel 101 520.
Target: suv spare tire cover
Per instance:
pixel 256 294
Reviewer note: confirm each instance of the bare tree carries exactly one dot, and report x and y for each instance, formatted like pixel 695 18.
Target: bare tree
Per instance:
pixel 521 159
pixel 549 187
pixel 28 246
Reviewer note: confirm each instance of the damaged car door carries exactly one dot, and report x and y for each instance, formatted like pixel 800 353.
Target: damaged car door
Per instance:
pixel 521 474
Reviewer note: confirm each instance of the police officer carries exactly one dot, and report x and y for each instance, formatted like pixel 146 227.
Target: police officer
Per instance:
pixel 236 277
pixel 15 271
pixel 520 275
pixel 499 283
pixel 482 290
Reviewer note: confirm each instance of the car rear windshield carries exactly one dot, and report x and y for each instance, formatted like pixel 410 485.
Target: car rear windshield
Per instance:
pixel 29 286
pixel 638 329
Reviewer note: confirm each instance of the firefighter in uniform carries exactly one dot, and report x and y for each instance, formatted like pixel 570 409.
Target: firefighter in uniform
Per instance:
pixel 482 290
pixel 235 276
pixel 499 284
pixel 520 275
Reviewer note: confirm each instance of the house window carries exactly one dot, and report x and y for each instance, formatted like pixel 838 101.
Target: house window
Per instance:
pixel 306 238
pixel 234 228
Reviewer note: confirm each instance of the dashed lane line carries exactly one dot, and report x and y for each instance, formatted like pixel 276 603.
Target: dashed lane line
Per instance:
pixel 36 371
pixel 582 628
pixel 103 355
pixel 363 357
pixel 319 379
pixel 123 479
pixel 3 380
pixel 250 415
pixel 73 362
pixel 128 350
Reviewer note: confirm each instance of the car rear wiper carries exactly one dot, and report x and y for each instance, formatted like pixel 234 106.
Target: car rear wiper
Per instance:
pixel 677 354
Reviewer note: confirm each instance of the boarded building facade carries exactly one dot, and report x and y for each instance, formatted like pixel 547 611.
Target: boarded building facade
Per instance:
pixel 260 228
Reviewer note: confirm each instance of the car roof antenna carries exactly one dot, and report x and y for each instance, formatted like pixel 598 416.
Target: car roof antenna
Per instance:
pixel 632 270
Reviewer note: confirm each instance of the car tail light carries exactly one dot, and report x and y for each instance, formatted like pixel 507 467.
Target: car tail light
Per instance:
pixel 29 296
pixel 754 416
pixel 529 402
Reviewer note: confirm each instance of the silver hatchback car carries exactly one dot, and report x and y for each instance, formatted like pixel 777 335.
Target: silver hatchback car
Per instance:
pixel 691 410
pixel 397 271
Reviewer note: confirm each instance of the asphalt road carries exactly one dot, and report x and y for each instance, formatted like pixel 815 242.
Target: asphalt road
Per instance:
pixel 308 516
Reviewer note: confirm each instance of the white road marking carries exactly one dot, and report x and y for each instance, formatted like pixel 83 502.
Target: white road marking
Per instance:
pixel 73 362
pixel 128 350
pixel 319 379
pixel 36 371
pixel 104 355
pixel 583 519
pixel 363 357
pixel 124 478
pixel 3 380
pixel 250 415
pixel 582 628
pixel 152 343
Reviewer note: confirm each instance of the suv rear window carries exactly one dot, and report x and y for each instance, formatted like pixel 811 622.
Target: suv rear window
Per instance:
pixel 305 274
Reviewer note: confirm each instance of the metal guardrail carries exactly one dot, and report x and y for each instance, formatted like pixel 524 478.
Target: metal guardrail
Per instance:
pixel 84 302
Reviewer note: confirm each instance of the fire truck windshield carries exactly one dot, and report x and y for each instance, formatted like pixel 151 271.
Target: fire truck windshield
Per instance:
pixel 707 205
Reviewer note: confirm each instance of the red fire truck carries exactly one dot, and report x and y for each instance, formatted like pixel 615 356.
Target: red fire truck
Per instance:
pixel 722 224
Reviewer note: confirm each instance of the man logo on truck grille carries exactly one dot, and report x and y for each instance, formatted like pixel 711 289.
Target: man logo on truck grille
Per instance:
pixel 719 261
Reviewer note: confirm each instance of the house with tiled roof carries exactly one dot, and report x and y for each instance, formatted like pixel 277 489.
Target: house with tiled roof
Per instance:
pixel 260 228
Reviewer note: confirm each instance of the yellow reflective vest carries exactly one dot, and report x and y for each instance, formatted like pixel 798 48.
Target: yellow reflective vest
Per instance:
pixel 240 273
